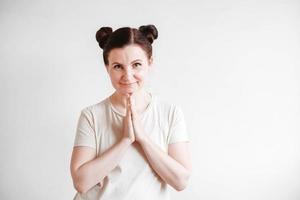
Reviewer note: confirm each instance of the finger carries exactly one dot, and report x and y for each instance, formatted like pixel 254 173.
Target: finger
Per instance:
pixel 133 111
pixel 129 104
pixel 129 118
pixel 128 110
pixel 129 100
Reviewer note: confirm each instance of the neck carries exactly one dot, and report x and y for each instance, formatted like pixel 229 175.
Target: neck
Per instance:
pixel 141 99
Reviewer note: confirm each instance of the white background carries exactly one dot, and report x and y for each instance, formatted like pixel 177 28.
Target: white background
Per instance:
pixel 233 66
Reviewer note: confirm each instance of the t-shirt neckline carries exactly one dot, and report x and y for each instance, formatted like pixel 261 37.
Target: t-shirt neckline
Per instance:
pixel 143 113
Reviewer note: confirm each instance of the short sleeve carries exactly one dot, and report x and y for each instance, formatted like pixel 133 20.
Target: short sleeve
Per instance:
pixel 177 130
pixel 85 134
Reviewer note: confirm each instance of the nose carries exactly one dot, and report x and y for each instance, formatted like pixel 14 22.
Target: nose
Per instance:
pixel 128 74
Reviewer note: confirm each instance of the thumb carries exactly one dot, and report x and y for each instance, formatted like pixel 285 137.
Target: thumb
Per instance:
pixel 128 111
pixel 132 107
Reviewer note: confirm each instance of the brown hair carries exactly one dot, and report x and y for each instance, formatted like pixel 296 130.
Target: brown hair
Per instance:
pixel 109 39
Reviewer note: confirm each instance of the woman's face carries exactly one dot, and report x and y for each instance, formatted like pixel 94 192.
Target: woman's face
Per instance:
pixel 128 68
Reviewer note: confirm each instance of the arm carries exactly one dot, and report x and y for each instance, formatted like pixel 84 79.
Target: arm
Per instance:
pixel 175 167
pixel 87 170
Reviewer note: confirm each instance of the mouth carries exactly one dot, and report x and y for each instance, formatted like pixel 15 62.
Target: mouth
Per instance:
pixel 127 84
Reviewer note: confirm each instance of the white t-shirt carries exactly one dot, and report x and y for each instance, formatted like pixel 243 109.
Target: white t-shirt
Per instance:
pixel 100 126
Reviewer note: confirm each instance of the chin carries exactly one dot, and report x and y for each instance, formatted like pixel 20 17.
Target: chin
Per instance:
pixel 126 91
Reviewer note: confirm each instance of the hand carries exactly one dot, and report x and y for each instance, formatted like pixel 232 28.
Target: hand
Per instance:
pixel 128 131
pixel 139 132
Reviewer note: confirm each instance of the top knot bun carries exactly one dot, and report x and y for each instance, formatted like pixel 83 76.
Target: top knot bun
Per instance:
pixel 150 32
pixel 142 36
pixel 102 35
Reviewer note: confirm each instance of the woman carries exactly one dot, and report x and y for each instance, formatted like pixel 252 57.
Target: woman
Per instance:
pixel 131 145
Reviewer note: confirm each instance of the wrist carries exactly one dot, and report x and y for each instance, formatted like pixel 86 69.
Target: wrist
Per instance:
pixel 143 140
pixel 126 141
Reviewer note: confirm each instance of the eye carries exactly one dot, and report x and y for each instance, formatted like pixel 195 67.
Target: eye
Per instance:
pixel 117 67
pixel 137 64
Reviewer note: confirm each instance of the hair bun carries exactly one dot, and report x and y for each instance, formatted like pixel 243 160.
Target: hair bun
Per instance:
pixel 150 32
pixel 102 35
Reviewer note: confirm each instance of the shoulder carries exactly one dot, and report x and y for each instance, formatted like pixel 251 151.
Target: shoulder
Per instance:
pixel 96 108
pixel 166 107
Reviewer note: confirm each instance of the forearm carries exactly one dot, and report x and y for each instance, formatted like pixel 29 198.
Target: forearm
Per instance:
pixel 171 171
pixel 92 172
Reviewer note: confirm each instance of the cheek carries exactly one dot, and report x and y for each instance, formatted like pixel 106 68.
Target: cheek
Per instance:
pixel 141 75
pixel 115 77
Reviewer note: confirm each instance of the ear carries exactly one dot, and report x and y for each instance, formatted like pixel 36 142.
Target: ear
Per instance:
pixel 106 67
pixel 151 61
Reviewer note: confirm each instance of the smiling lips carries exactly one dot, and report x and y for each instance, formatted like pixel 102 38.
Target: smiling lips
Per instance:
pixel 127 84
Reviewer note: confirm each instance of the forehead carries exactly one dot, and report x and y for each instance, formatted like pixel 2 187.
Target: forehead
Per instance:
pixel 126 54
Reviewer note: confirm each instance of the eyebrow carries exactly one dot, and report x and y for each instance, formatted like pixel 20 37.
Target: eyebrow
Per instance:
pixel 131 62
